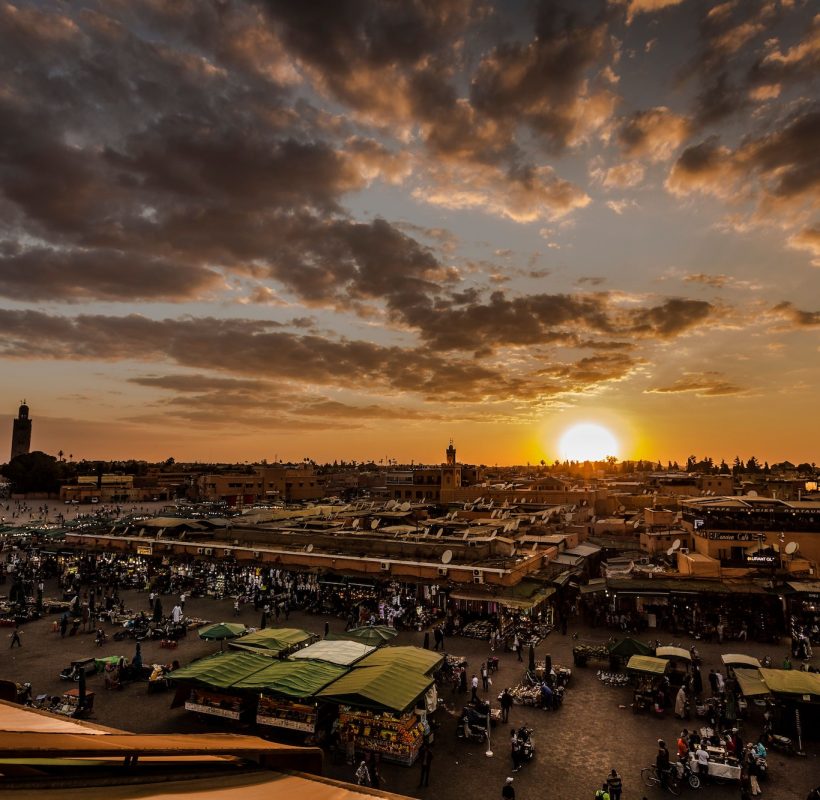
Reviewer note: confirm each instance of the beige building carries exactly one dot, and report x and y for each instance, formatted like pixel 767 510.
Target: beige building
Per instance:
pixel 279 482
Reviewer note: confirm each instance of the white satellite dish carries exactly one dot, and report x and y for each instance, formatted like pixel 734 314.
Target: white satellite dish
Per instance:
pixel 676 544
pixel 446 556
pixel 670 551
pixel 391 504
pixel 637 524
pixel 791 548
pixel 621 508
pixel 751 493
pixel 374 524
pixel 405 506
pixel 356 523
pixel 309 548
pixel 439 532
pixel 532 520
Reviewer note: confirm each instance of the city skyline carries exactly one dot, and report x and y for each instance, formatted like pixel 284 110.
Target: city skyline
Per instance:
pixel 236 231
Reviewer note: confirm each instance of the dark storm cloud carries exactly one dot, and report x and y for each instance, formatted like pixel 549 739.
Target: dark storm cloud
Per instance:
pixel 702 384
pixel 43 274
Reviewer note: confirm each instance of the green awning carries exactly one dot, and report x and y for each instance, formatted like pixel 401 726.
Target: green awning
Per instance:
pixel 389 687
pixel 792 681
pixel 647 664
pixel 630 647
pixel 750 682
pixel 221 670
pixel 298 679
pixel 274 640
pixel 415 659
pixel 222 630
pixel 375 635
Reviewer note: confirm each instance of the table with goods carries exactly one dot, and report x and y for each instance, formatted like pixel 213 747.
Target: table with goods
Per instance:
pixel 395 738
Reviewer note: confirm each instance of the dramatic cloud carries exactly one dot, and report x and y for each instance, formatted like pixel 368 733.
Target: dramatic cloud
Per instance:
pixel 797 318
pixel 808 239
pixel 653 134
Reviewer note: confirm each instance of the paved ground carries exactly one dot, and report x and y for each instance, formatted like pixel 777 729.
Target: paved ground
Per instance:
pixel 576 746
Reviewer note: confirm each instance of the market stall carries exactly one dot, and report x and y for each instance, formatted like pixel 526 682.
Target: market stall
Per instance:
pixel 649 672
pixel 679 662
pixel 415 659
pixel 276 642
pixel 207 686
pixel 621 651
pixel 343 652
pixel 375 635
pixel 377 706
pixel 287 693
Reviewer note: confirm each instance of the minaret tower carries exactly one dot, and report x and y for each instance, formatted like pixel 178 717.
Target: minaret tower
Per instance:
pixel 21 433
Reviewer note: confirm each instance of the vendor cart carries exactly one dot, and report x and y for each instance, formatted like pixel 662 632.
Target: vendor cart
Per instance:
pixel 73 670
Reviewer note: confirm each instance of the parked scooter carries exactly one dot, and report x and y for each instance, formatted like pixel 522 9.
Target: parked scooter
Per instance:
pixel 471 726
pixel 527 744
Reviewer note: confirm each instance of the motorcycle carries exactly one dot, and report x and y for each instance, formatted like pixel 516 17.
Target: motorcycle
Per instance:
pixel 527 744
pixel 686 774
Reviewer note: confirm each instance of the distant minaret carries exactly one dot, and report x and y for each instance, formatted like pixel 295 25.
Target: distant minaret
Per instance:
pixel 451 455
pixel 21 433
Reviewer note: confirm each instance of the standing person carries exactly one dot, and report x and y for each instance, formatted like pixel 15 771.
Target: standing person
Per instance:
pixel 506 705
pixel 327 629
pixel 176 614
pixel 427 640
pixel 515 750
pixel 614 784
pixel 697 681
pixel 425 759
pixel 63 624
pixel 462 680
pixel 517 647
pixel 507 792
pixel 721 683
pixel 485 677
pixel 713 682
pixel 182 599
pixel 474 685
pixel 236 607
pixel 151 598
pixel 662 763
pixel 702 756
pixel 363 775
pixel 15 638
pixel 680 703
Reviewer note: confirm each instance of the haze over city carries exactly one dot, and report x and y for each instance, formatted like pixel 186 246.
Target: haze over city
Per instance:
pixel 235 231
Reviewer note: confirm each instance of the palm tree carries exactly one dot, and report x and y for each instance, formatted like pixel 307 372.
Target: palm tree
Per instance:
pixel 60 455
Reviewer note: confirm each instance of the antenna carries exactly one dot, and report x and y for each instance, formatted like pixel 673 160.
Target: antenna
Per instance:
pixel 446 556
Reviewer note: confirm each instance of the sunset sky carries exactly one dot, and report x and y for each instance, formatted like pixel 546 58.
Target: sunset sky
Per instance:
pixel 354 230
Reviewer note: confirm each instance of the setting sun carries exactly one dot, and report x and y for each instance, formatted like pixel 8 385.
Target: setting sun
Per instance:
pixel 587 442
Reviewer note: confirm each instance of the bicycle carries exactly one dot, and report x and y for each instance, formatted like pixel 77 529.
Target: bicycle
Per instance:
pixel 650 777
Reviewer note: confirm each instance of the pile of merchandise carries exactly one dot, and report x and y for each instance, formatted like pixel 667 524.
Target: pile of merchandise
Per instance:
pixel 480 629
pixel 584 652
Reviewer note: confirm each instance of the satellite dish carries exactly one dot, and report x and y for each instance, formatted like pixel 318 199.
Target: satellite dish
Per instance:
pixel 374 524
pixel 670 551
pixel 391 504
pixel 446 556
pixel 405 506
pixel 751 493
pixel 621 508
pixel 532 520
pixel 791 548
pixel 309 548
pixel 637 524
pixel 676 544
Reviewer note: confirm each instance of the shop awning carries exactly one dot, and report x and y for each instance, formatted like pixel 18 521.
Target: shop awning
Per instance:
pixel 342 651
pixel 297 679
pixel 792 681
pixel 583 550
pixel 520 602
pixel 595 585
pixel 751 683
pixel 221 670
pixel 739 660
pixel 390 687
pixel 647 664
pixel 376 635
pixel 630 647
pixel 273 640
pixel 804 587
pixel 413 658
pixel 673 652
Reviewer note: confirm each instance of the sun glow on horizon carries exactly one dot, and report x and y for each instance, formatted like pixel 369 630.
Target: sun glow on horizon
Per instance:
pixel 587 442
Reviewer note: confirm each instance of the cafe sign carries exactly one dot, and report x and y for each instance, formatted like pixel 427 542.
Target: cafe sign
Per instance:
pixel 759 558
pixel 145 550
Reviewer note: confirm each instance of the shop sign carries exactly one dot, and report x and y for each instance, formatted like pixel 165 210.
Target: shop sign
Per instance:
pixel 145 550
pixel 731 537
pixel 292 724
pixel 755 558
pixel 217 712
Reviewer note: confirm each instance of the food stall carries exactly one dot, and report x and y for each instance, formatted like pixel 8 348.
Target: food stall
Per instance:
pixel 649 672
pixel 721 766
pixel 342 652
pixel 676 656
pixel 287 693
pixel 208 686
pixel 377 703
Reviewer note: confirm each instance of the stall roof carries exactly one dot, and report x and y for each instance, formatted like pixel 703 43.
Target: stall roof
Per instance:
pixel 653 666
pixel 341 651
pixel 413 658
pixel 595 585
pixel 522 597
pixel 584 550
pixel 369 634
pixel 673 652
pixel 630 647
pixel 738 659
pixel 564 558
pixel 751 683
pixel 667 584
pixel 273 640
pixel 805 587
pixel 390 687
pixel 791 681
pixel 222 670
pixel 293 678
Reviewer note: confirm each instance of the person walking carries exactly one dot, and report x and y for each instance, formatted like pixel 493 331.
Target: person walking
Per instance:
pixel 363 775
pixel 662 763
pixel 507 791
pixel 515 750
pixel 614 784
pixel 425 759
pixel 485 677
pixel 15 638
pixel 506 705
pixel 474 685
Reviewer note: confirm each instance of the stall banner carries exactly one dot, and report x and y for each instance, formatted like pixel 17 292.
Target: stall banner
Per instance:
pixel 218 712
pixel 292 724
